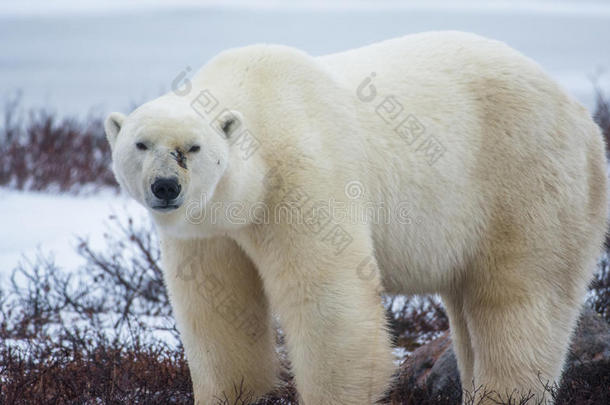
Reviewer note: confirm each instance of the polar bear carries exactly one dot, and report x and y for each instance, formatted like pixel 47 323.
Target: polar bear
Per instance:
pixel 305 187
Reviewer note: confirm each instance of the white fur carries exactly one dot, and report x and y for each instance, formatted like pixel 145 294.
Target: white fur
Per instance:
pixel 494 196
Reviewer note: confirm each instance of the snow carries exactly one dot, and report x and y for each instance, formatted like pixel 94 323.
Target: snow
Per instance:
pixel 557 7
pixel 72 56
pixel 51 223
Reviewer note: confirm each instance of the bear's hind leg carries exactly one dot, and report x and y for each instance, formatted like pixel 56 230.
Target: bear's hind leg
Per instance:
pixel 520 323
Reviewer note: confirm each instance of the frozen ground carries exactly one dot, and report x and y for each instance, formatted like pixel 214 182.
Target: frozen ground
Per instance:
pixel 49 223
pixel 71 56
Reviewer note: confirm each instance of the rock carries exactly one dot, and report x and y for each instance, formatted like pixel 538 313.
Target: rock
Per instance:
pixel 591 341
pixel 433 366
pixel 421 362
pixel 444 376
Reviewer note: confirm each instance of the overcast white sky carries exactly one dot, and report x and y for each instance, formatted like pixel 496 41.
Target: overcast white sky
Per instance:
pixel 54 7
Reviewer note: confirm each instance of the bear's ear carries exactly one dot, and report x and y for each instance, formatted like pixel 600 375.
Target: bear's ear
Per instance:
pixel 229 121
pixel 112 126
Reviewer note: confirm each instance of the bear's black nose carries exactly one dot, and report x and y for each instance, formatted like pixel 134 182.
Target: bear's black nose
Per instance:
pixel 166 189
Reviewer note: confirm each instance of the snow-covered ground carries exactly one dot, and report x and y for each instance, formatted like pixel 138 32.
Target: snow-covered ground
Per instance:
pixel 50 223
pixel 74 55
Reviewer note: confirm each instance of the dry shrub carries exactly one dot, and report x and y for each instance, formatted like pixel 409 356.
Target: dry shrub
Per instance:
pixel 600 288
pixel 106 374
pixel 42 152
pixel 104 333
pixel 415 320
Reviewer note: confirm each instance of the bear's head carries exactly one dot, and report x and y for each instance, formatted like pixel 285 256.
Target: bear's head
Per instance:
pixel 175 162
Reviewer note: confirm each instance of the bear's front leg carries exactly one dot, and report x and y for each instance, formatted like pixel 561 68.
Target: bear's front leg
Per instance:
pixel 223 318
pixel 331 311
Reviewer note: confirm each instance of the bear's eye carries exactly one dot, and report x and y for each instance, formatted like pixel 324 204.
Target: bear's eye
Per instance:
pixel 195 148
pixel 141 146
